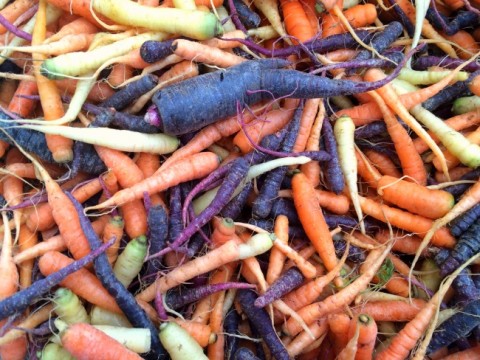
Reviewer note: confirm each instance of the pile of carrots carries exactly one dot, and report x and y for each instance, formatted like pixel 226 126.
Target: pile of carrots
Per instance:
pixel 240 179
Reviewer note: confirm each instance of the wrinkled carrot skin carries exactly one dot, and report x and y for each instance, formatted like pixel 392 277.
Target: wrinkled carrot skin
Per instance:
pixel 397 311
pixel 296 21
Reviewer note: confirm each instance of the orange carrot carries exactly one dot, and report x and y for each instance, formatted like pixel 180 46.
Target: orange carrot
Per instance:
pixel 119 74
pixel 190 168
pixel 79 25
pixel 113 228
pixel 467 46
pixel 468 354
pixel 411 162
pixel 277 258
pixel 8 269
pixel 50 99
pixel 296 21
pixel 26 240
pixel 12 11
pixel 383 163
pixel 20 105
pixel 312 219
pixel 396 310
pixel 298 345
pixel 202 333
pixel 216 350
pixel 359 15
pixel 366 337
pixel 474 85
pixel 56 243
pixel 82 282
pixel 77 339
pixel 339 324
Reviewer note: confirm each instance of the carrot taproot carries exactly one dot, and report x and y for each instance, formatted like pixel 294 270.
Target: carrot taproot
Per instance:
pixel 366 337
pixel 199 165
pixel 119 74
pixel 382 162
pixel 22 106
pixel 11 12
pixel 8 268
pixel 26 240
pixel 15 349
pixel 56 243
pixel 335 302
pixel 350 350
pixel 277 257
pixel 296 21
pixel 216 350
pixel 339 325
pixel 77 339
pixel 312 219
pixel 467 45
pixel 50 99
pixel 298 345
pixel 269 8
pixel 83 282
pixel 80 25
pixel 465 354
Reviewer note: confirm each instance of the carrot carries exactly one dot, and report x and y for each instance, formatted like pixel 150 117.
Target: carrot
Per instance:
pixel 296 21
pixel 359 15
pixel 190 50
pixel 22 106
pixel 209 3
pixel 269 8
pixel 335 302
pixel 277 258
pixel 50 99
pixel 312 219
pixel 202 333
pixel 56 243
pixel 216 350
pixel 272 122
pixel 8 269
pixel 13 187
pixel 80 25
pixel 190 168
pixel 338 325
pixel 15 349
pixel 68 43
pixel 14 10
pixel 467 45
pixel 383 163
pixel 407 221
pixel 77 339
pixel 83 282
pixel 119 74
pixel 366 337
pixel 465 354
pixel 298 345
pixel 26 240
pixel 474 85
pixel 113 228
pixel 350 350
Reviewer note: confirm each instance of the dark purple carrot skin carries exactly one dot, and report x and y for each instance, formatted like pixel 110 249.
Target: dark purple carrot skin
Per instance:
pixel 236 174
pixel 125 300
pixel 355 254
pixel 463 222
pixel 175 222
pixel 456 327
pixel 288 281
pixel 179 297
pixel 393 58
pixel 262 205
pixel 382 40
pixel 244 353
pixel 195 103
pixel 230 327
pixel 285 206
pixel 333 171
pixel 21 300
pixel 130 92
pixel 157 220
pixel 458 189
pixel 260 320
pixel 373 129
pixel 468 244
pixel 462 20
pixel 152 51
pixel 246 16
pixel 234 207
pixel 424 62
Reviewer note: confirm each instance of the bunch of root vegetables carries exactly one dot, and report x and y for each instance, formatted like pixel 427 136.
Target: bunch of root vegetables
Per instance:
pixel 240 179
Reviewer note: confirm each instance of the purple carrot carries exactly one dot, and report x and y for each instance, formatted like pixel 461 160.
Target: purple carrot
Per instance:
pixel 333 171
pixel 179 297
pixel 458 189
pixel 463 222
pixel 242 16
pixel 244 353
pixel 157 220
pixel 125 300
pixel 288 281
pixel 231 7
pixel 373 129
pixel 230 327
pixel 403 18
pixel 262 205
pixel 392 60
pixel 262 323
pixel 152 51
pixel 159 306
pixel 355 254
pixel 448 94
pixel 462 20
pixel 235 206
pixel 129 93
pixel 424 62
pixel 21 300
pixel 175 221
pixel 15 30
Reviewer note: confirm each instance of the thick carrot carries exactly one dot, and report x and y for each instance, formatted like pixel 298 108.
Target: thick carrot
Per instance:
pixel 395 310
pixel 366 337
pixel 339 325
pixel 86 342
pixel 20 105
pixel 83 282
pixel 358 16
pixel 467 46
pixel 187 169
pixel 296 21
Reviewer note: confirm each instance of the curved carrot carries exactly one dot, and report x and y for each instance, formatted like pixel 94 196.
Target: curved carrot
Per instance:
pixel 382 162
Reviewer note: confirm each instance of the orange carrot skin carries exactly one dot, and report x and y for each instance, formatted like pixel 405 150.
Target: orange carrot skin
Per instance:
pixel 296 21
pixel 391 310
pixel 15 350
pixel 85 342
pixel 82 282
pixel 432 204
pixel 367 336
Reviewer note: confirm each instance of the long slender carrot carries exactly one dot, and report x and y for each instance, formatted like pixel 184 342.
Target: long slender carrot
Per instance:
pixel 50 99
pixel 26 240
